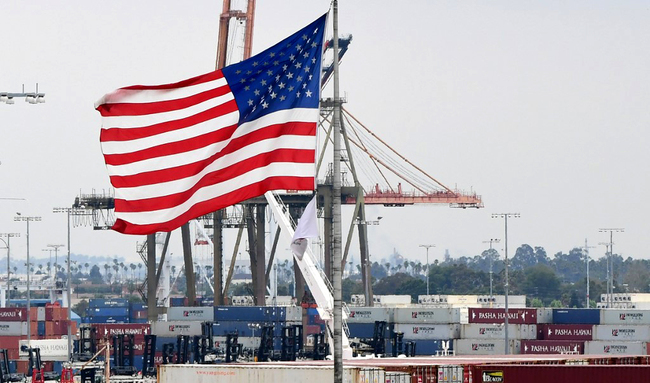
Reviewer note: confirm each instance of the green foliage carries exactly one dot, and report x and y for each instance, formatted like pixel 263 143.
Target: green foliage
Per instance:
pixel 536 302
pixel 556 304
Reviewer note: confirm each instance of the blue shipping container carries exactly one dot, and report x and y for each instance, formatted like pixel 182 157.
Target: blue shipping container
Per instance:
pixel 116 302
pixel 364 330
pixel 576 316
pixel 138 306
pixel 160 341
pixel 422 347
pixel 250 313
pixel 108 311
pixel 222 328
pixel 40 328
pixel 108 319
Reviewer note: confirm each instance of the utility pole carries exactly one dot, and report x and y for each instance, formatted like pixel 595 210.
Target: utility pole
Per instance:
pixel 491 241
pixel 427 247
pixel 611 261
pixel 586 253
pixel 505 216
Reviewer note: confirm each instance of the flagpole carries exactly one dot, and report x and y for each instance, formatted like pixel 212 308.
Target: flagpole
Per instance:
pixel 336 207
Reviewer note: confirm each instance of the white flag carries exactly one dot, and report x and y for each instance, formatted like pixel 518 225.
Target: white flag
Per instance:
pixel 307 228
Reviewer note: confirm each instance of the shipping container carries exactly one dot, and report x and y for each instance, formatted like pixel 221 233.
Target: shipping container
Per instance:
pixel 108 330
pixel 497 331
pixel 245 328
pixel 40 314
pixel 616 316
pixel 599 347
pixel 544 315
pixel 13 328
pixel 565 331
pixel 275 373
pixel 108 311
pixel 368 314
pixel 365 330
pixel 622 332
pixel 108 319
pixel 426 315
pixel 245 341
pixel 429 347
pixel 538 373
pixel 576 316
pixel 428 331
pixel 115 302
pixel 552 347
pixel 293 313
pixel 249 313
pixel 515 316
pixel 485 346
pixel 51 349
pixel 175 328
pixel 13 314
pixel 202 314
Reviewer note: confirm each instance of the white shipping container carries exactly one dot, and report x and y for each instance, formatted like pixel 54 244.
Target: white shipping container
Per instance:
pixel 485 346
pixel 267 373
pixel 599 347
pixel 392 300
pixel 51 349
pixel 619 316
pixel 497 331
pixel 245 341
pixel 175 328
pixel 625 333
pixel 426 315
pixel 460 299
pixel 13 328
pixel 369 314
pixel 40 314
pixel 201 314
pixel 544 315
pixel 428 331
pixel 293 314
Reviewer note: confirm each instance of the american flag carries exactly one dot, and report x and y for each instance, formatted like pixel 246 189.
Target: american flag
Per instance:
pixel 177 151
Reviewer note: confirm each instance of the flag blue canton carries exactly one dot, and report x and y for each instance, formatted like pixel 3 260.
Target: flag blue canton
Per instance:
pixel 285 76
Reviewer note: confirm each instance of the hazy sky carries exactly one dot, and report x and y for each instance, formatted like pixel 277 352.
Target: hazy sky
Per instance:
pixel 541 107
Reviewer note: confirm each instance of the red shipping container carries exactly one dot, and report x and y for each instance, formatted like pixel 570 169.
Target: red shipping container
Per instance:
pixel 312 329
pixel 11 314
pixel 565 331
pixel 33 327
pixel 33 314
pixel 50 328
pixel 13 354
pixel 49 313
pixel 10 341
pixel 158 358
pixel 538 373
pixel 22 366
pixel 515 316
pixel 551 346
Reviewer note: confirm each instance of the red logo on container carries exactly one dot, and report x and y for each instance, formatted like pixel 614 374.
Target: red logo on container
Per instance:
pixel 414 314
pixel 171 327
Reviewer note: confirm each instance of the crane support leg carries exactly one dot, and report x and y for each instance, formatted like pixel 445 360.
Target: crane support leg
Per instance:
pixel 217 266
pixel 260 288
pixel 189 265
pixel 152 307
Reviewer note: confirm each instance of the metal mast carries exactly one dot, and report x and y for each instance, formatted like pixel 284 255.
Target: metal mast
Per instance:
pixel 336 208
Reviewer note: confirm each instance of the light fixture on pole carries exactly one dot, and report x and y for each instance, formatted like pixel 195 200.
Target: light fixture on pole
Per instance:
pixel 8 244
pixel 20 217
pixel 70 211
pixel 427 247
pixel 610 282
pixel 56 257
pixel 30 97
pixel 505 216
pixel 491 241
pixel 586 253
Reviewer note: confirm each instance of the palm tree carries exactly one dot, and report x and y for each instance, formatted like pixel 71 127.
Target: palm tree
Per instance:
pixel 106 267
pixel 387 264
pixel 133 267
pixel 87 266
pixel 139 270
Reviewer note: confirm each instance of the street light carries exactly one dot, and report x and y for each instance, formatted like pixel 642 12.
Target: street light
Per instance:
pixel 491 241
pixel 505 216
pixel 427 247
pixel 610 282
pixel 70 211
pixel 56 256
pixel 8 245
pixel 20 217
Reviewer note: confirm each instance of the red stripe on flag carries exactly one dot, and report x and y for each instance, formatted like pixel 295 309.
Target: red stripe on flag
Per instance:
pixel 188 170
pixel 165 202
pixel 128 134
pixel 189 82
pixel 214 204
pixel 145 108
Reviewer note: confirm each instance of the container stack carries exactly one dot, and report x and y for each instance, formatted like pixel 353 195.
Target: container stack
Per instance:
pixel 114 310
pixel 432 329
pixel 484 334
pixel 625 332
